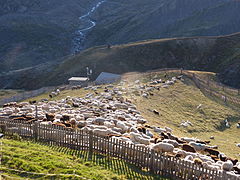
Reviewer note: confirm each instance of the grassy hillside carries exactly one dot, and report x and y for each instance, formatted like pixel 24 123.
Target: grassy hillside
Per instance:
pixel 62 163
pixel 5 93
pixel 179 103
pixel 215 54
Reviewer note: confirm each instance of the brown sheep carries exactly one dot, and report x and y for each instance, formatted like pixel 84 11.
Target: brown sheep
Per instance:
pixel 212 151
pixel 147 126
pixel 156 112
pixel 155 140
pixel 50 117
pixel 236 169
pixel 215 158
pixel 164 135
pixel 203 142
pixel 197 161
pixel 188 148
pixel 19 119
pixel 142 129
pixel 65 118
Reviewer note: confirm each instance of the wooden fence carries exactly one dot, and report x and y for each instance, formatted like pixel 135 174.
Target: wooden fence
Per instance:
pixel 139 156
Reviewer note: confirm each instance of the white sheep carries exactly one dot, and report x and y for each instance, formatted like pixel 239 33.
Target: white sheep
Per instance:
pixel 227 166
pixel 101 132
pixel 168 129
pixel 135 137
pixel 198 146
pixel 188 158
pixel 159 130
pixel 173 142
pixel 187 139
pixel 163 147
pixel 209 166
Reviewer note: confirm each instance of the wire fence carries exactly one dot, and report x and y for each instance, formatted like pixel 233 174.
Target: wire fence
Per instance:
pixel 140 156
pixel 26 95
pixel 214 89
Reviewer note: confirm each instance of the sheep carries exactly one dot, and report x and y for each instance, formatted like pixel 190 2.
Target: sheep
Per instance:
pixel 101 132
pixel 227 166
pixel 198 146
pixel 186 123
pixel 197 161
pixel 173 142
pixel 188 148
pixel 188 158
pixel 187 139
pixel 227 123
pixel 209 166
pixel 159 130
pixel 199 106
pixel 121 125
pixel 149 133
pixel 135 137
pixel 212 152
pixel 163 147
pixel 168 129
pixel 156 112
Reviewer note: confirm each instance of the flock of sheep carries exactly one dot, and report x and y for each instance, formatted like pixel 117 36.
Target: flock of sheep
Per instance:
pixel 106 112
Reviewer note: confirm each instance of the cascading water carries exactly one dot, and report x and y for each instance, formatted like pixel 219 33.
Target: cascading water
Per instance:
pixel 80 34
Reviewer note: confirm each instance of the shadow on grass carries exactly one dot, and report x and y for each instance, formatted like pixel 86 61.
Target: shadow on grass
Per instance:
pixel 231 119
pixel 115 165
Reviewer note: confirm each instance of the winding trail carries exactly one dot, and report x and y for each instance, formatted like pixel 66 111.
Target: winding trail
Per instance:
pixel 80 34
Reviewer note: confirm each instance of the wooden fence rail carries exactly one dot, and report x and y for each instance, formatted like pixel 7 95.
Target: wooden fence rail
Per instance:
pixel 139 156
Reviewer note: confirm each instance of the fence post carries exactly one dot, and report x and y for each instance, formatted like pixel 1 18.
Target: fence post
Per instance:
pixel 238 91
pixel 36 112
pixel 35 130
pixel 152 158
pixel 90 145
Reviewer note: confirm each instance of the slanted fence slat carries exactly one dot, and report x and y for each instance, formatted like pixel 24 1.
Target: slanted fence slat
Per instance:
pixel 138 155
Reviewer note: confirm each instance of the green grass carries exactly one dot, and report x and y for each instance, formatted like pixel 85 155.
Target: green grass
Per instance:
pixel 60 162
pixel 6 93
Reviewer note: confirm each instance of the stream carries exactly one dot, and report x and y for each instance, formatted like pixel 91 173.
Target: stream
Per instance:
pixel 80 34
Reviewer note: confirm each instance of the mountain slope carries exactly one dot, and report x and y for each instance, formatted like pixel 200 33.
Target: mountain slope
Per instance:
pixel 126 21
pixel 217 54
pixel 35 32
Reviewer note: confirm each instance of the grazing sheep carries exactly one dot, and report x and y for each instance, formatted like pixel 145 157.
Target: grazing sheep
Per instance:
pixel 187 139
pixel 168 129
pixel 227 166
pixel 159 130
pixel 212 151
pixel 101 132
pixel 198 146
pixel 163 147
pixel 156 112
pixel 197 161
pixel 188 148
pixel 199 106
pixel 173 142
pixel 135 137
pixel 188 158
